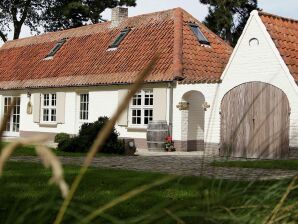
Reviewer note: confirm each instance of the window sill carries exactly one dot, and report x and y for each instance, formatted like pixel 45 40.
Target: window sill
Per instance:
pixel 48 125
pixel 84 121
pixel 135 128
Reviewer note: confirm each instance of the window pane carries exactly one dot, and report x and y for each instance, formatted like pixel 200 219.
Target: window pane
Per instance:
pixel 148 115
pixel 84 106
pixel 45 114
pixel 134 120
pixel 138 120
pixel 136 116
pixel 53 115
pixel 137 99
pixel 46 98
pixel 54 99
pixel 198 33
pixel 148 97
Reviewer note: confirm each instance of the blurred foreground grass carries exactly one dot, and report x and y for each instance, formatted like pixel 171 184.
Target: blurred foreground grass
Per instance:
pixel 26 198
pixel 261 164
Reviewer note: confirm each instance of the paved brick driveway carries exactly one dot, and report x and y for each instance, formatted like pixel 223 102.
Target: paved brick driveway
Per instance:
pixel 180 164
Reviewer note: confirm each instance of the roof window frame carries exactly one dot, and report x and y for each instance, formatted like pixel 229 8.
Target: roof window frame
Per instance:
pixel 56 48
pixel 119 39
pixel 203 39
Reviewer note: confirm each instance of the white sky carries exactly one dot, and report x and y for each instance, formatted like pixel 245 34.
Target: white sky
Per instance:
pixel 287 8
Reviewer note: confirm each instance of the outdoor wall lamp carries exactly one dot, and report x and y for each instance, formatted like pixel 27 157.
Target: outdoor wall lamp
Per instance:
pixel 29 104
pixel 183 106
pixel 205 106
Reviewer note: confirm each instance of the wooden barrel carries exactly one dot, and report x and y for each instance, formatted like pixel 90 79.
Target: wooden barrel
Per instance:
pixel 157 131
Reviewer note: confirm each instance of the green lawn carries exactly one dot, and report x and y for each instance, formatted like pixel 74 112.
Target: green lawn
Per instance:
pixel 26 198
pixel 263 164
pixel 30 151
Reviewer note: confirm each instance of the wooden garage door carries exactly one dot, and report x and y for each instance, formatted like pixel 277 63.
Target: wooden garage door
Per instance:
pixel 255 122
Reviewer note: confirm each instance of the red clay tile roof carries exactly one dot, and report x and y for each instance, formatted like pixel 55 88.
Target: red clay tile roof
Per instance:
pixel 284 32
pixel 84 59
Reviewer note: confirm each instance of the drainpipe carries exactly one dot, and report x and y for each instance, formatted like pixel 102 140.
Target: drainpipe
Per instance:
pixel 177 60
pixel 171 103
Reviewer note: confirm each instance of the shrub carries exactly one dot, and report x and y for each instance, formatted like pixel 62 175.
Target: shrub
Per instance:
pixel 87 135
pixel 61 137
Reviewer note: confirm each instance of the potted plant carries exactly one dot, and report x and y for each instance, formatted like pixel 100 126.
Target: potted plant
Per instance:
pixel 169 145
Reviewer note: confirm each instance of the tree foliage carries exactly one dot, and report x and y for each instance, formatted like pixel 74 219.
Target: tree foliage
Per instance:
pixel 16 13
pixel 66 14
pixel 51 15
pixel 227 18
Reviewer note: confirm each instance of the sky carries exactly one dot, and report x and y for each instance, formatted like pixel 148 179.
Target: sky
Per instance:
pixel 287 8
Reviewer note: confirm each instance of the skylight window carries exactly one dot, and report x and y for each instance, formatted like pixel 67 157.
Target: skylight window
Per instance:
pixel 120 38
pixel 201 37
pixel 56 48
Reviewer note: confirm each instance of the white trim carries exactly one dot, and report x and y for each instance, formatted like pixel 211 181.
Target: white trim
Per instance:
pixel 12 133
pixel 49 107
pixel 141 107
pixel 88 107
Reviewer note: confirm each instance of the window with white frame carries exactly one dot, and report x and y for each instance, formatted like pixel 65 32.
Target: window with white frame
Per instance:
pixel 141 109
pixel 84 107
pixel 49 107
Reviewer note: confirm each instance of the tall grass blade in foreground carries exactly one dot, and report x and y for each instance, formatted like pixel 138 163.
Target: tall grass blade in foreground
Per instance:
pixel 47 156
pixel 104 134
pixel 276 211
pixel 49 159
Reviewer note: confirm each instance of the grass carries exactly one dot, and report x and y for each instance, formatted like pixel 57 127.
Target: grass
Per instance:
pixel 27 198
pixel 30 151
pixel 262 164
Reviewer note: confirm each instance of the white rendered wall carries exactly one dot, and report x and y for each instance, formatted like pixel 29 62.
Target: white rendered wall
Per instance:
pixel 103 101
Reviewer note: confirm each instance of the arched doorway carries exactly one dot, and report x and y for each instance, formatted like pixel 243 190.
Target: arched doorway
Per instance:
pixel 193 121
pixel 255 122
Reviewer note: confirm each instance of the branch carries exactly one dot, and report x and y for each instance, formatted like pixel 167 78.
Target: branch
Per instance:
pixel 3 37
pixel 25 13
pixel 19 23
pixel 14 12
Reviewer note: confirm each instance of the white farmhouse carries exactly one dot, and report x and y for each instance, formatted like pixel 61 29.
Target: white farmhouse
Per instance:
pixel 75 76
pixel 245 106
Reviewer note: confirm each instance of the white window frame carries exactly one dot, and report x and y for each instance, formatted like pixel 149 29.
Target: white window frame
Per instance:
pixel 51 106
pixel 87 109
pixel 142 107
pixel 13 126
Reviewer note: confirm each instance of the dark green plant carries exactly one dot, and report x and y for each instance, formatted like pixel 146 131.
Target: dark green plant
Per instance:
pixel 61 137
pixel 87 135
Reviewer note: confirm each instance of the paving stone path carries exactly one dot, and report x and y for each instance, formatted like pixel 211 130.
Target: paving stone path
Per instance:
pixel 188 165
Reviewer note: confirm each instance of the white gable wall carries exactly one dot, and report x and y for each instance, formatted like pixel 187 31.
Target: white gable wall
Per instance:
pixel 260 63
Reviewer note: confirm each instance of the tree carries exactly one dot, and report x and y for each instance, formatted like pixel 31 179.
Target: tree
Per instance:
pixel 227 18
pixel 66 14
pixel 51 15
pixel 17 13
